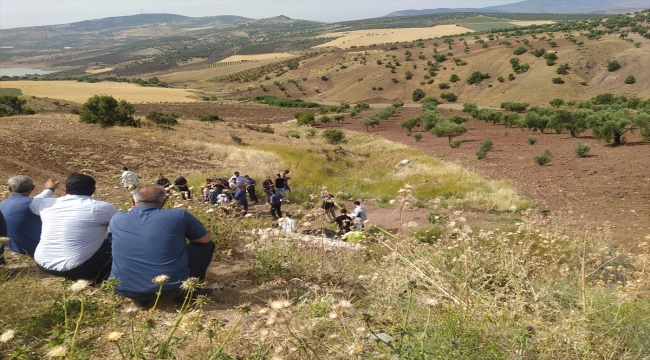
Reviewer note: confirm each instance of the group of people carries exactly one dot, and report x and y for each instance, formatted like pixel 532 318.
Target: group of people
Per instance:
pixel 77 237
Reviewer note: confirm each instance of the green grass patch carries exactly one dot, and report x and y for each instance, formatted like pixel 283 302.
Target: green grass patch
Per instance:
pixel 10 91
pixel 275 101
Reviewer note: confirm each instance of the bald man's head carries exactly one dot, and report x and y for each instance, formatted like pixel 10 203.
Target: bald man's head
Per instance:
pixel 149 195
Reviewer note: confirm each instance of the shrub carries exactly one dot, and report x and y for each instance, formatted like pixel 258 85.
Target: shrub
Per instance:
pixel 209 118
pixel 511 77
pixel 630 80
pixel 501 79
pixel 613 66
pixel 544 158
pixel 334 136
pixel 469 107
pixel 514 106
pixel 448 129
pixel 557 80
pixel 551 56
pixel 556 102
pixel 370 121
pixel 418 94
pixel 454 144
pixel 324 78
pixel 520 50
pixel 563 69
pixel 106 111
pixel 74 111
pixel 394 80
pixel 339 118
pixel 483 148
pixel 539 52
pixel 582 149
pixel 159 118
pixel 532 139
pixel 398 104
pixel 417 136
pixel 477 77
pixel 450 96
pixel 275 101
pixel 325 120
pixel 305 118
pixel 454 78
pixel 408 75
pixel 443 86
pixel 518 67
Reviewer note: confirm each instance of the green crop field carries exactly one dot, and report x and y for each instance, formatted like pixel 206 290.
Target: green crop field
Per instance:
pixel 10 91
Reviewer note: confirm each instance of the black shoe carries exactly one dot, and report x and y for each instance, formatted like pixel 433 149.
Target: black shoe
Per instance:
pixel 143 304
pixel 3 261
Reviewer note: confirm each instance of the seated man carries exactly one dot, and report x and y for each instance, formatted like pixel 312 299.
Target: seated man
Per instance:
pixel 72 240
pixel 344 222
pixel 149 241
pixel 23 226
pixel 163 181
pixel 181 184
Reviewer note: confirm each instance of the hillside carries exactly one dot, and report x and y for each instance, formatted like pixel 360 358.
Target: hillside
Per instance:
pixel 352 74
pixel 542 6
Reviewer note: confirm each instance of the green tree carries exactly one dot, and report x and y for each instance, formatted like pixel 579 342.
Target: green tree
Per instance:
pixel 630 80
pixel 418 94
pixel 411 122
pixel 334 136
pixel 325 120
pixel 449 96
pixel 370 121
pixel 537 121
pixel 106 111
pixel 510 119
pixel 430 118
pixel 515 106
pixel 477 77
pixel 305 118
pixel 454 78
pixel 563 69
pixel 613 66
pixel 520 50
pixel 457 119
pixel 611 124
pixel 469 107
pixel 448 129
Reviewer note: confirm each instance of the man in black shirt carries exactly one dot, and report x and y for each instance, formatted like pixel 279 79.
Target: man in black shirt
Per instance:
pixel 181 184
pixel 344 222
pixel 163 181
pixel 250 187
pixel 279 186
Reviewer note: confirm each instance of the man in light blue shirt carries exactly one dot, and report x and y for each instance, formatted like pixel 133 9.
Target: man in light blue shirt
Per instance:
pixel 23 226
pixel 149 241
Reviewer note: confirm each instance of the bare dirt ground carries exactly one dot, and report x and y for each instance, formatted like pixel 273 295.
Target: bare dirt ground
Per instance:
pixel 609 190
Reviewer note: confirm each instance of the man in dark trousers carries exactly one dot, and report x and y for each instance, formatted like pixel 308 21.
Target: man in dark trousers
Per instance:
pixel 344 222
pixel 181 184
pixel 163 181
pixel 240 196
pixel 250 187
pixel 276 204
pixel 267 184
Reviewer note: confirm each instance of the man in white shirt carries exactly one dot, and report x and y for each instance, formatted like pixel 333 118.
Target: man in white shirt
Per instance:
pixel 73 242
pixel 360 215
pixel 239 179
pixel 129 178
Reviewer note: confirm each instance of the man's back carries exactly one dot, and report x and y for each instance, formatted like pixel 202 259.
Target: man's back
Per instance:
pixel 73 229
pixel 23 226
pixel 276 199
pixel 129 178
pixel 149 241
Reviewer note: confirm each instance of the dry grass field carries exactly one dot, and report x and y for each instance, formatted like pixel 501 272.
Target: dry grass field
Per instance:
pixel 383 36
pixel 257 57
pixel 80 92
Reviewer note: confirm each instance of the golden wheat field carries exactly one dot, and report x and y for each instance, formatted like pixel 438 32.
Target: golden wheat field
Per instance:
pixel 382 36
pixel 80 92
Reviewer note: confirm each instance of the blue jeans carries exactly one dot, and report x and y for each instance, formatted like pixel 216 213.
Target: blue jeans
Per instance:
pixel 282 192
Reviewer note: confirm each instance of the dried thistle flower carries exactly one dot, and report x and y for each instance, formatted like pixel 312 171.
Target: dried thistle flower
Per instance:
pixel 79 285
pixel 114 336
pixel 57 352
pixel 160 279
pixel 7 336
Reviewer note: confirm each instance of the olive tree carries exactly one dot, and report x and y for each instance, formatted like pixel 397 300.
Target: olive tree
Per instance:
pixel 448 129
pixel 106 111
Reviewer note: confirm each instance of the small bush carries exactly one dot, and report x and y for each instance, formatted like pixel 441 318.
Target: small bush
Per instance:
pixel 417 136
pixel 450 96
pixel 501 79
pixel 305 118
pixel 613 66
pixel 532 140
pixel 324 78
pixel 454 78
pixel 484 147
pixel 520 50
pixel 454 144
pixel 630 80
pixel 582 149
pixel 334 136
pixel 544 158
pixel 418 94
pixel 477 77
pixel 209 118
pixel 443 86
pixel 557 80
pixel 74 111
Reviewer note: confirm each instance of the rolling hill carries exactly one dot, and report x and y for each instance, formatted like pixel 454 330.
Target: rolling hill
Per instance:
pixel 543 6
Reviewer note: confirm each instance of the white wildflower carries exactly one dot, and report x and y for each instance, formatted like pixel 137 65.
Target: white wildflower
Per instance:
pixel 160 279
pixel 7 336
pixel 79 285
pixel 57 351
pixel 114 336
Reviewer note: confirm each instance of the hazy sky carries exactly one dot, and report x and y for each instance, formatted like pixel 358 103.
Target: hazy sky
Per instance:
pixel 20 13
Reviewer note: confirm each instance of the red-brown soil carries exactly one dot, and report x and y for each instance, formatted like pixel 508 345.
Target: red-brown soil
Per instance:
pixel 609 190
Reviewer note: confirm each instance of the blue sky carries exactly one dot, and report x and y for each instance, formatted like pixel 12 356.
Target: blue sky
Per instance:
pixel 20 13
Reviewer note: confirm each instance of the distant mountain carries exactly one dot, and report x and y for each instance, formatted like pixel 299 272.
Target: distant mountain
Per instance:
pixel 544 6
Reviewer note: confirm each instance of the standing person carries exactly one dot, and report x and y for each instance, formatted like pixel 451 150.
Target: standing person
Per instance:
pixel 250 187
pixel 23 226
pixel 344 222
pixel 240 180
pixel 129 179
pixel 72 241
pixel 285 176
pixel 267 185
pixel 329 205
pixel 275 201
pixel 3 232
pixel 288 224
pixel 240 196
pixel 360 216
pixel 163 181
pixel 279 186
pixel 149 241
pixel 181 184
